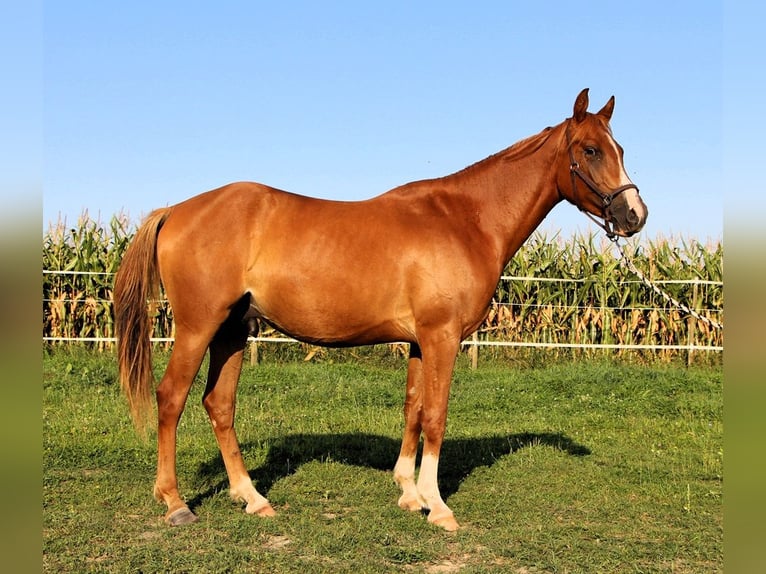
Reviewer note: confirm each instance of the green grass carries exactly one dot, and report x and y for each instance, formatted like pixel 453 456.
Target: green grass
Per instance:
pixel 588 466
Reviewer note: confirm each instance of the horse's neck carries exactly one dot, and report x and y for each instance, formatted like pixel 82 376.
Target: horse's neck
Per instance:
pixel 515 190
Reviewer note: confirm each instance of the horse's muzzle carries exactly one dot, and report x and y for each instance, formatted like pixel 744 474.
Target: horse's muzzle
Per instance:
pixel 627 213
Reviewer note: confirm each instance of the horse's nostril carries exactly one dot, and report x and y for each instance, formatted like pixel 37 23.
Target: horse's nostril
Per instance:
pixel 633 217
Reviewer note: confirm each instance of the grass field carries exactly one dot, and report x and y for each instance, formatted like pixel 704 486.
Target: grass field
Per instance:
pixel 591 466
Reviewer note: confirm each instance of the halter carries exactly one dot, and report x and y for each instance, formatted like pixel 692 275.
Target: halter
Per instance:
pixel 606 196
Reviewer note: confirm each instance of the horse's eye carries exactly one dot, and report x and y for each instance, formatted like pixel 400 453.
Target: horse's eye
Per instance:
pixel 590 152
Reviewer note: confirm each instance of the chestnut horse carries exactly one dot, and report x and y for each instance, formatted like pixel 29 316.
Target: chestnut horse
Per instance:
pixel 418 264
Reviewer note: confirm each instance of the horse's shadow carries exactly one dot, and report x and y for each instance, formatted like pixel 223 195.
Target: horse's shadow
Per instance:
pixel 459 457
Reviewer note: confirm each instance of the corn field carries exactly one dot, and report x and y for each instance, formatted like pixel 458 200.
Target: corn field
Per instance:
pixel 555 292
pixel 79 264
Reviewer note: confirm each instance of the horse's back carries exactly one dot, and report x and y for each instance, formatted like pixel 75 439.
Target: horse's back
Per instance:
pixel 325 271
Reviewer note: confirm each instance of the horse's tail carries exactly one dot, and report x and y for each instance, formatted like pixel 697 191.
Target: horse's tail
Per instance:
pixel 136 284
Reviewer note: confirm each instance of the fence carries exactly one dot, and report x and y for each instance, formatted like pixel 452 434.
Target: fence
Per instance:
pixel 527 312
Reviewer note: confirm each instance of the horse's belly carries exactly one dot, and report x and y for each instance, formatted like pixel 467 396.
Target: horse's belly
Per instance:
pixel 334 318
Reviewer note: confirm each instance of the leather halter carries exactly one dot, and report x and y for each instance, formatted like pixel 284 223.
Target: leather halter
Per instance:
pixel 606 196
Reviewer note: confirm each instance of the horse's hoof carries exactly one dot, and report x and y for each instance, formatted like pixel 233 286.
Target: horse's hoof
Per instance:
pixel 445 521
pixel 410 504
pixel 266 510
pixel 180 517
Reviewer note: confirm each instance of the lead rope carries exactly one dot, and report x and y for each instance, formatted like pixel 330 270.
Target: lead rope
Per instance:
pixel 675 302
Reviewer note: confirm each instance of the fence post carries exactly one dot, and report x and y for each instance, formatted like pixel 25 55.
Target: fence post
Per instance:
pixel 475 351
pixel 253 353
pixel 691 325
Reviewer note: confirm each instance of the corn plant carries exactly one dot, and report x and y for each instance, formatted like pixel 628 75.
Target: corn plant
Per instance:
pixel 79 264
pixel 602 303
pixel 570 292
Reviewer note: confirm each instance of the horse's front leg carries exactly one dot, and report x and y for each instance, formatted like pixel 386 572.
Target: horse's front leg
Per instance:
pixel 404 471
pixel 439 355
pixel 425 410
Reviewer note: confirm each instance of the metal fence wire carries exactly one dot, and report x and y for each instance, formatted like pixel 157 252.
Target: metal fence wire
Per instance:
pixel 608 310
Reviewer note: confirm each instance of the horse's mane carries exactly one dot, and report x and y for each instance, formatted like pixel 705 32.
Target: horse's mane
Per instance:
pixel 520 149
pixel 527 146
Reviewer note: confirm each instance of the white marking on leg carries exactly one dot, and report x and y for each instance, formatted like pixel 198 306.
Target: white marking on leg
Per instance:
pixel 404 475
pixel 427 483
pixel 428 488
pixel 244 491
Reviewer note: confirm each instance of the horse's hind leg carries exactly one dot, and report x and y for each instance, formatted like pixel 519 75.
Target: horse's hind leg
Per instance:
pixel 226 353
pixel 188 352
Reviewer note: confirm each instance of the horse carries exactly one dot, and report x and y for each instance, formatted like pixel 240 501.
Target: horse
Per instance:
pixel 417 265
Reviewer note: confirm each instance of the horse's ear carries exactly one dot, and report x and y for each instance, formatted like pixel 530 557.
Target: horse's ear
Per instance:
pixel 606 111
pixel 581 106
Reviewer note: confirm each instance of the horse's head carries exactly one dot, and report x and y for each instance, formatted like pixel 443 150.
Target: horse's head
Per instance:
pixel 594 178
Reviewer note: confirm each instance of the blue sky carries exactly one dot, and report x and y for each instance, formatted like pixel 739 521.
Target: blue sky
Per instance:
pixel 149 103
